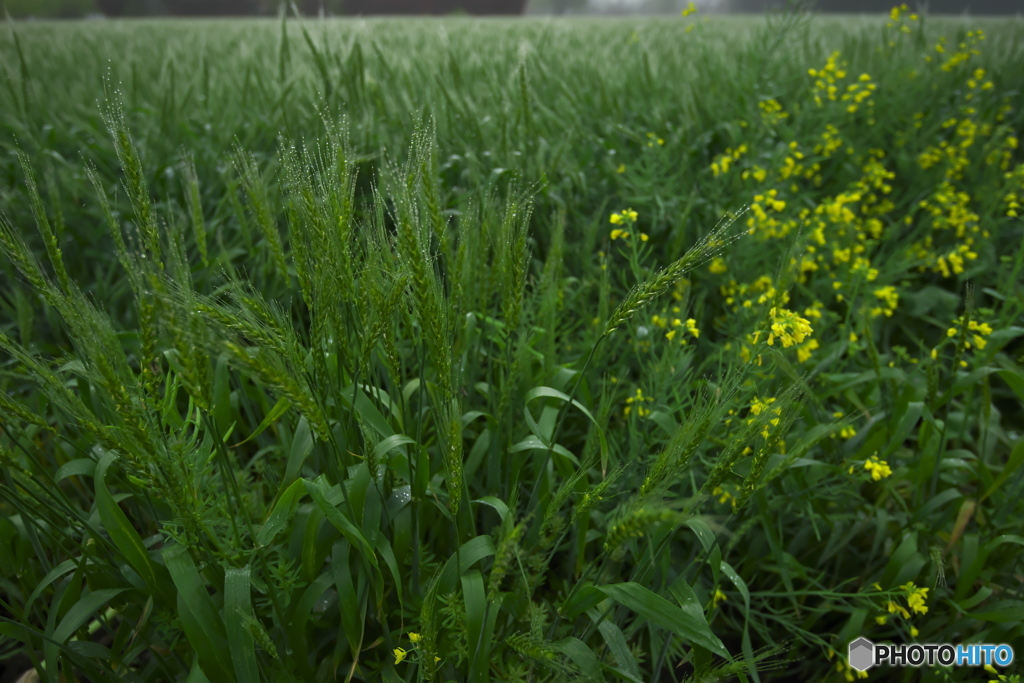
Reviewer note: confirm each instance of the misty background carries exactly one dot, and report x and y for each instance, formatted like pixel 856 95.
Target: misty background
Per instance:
pixel 70 9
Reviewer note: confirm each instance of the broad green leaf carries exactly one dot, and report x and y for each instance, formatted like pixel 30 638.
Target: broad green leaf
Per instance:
pixel 200 619
pixel 496 503
pixel 352 609
pixel 80 467
pixel 238 606
pixel 475 598
pixel 302 446
pixel 617 645
pixel 661 612
pixel 279 409
pixel 318 490
pixel 123 534
pixel 581 655
pixel 471 552
pixel 281 514
pixel 82 610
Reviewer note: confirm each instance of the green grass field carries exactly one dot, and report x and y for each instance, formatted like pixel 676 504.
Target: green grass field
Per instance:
pixel 511 350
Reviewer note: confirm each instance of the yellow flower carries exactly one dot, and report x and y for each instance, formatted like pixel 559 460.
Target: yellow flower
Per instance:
pixel 879 469
pixel 718 265
pixel 639 398
pixel 690 9
pixel 788 327
pixel 914 633
pixel 616 219
pixel 644 237
pixel 621 168
pixel 916 597
pixel 670 334
pixel 617 233
pixel 881 620
pixel 719 597
pixel 758 406
pixel 894 608
pixel 399 655
pixel 630 214
pixel 415 638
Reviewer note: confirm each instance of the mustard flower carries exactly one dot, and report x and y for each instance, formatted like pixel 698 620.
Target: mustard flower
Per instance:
pixel 638 399
pixel 400 655
pixel 415 638
pixel 719 597
pixel 894 609
pixel 879 469
pixel 617 233
pixel 758 406
pixel 916 597
pixel 788 327
pixel 689 9
pixel 615 219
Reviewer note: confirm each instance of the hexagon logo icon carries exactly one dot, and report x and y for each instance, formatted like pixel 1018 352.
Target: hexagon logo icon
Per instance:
pixel 862 654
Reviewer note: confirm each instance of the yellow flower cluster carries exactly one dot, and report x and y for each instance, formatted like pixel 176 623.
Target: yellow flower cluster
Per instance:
pixel 831 142
pixel 888 298
pixel 897 13
pixel 915 601
pixel 626 217
pixel 789 327
pixel 771 111
pixel 402 653
pixel 638 401
pixel 690 326
pixel 966 49
pixel 746 295
pixel 952 218
pixel 1015 195
pixel 826 79
pixel 765 224
pixel 879 469
pixel 724 496
pixel 898 20
pixel 978 332
pixel 859 93
pixel 723 161
pixel 758 406
pixel 689 9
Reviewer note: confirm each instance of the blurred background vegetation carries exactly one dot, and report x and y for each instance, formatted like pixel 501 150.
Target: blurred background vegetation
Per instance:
pixel 72 9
